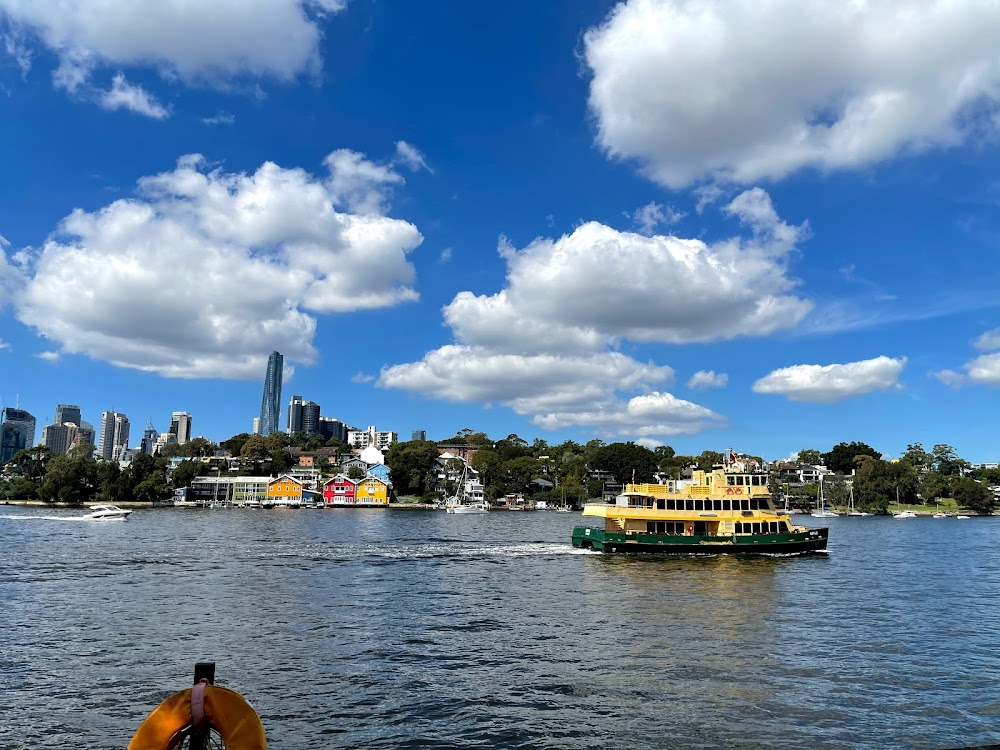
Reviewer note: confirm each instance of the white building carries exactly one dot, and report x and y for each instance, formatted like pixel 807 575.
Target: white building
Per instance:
pixel 371 436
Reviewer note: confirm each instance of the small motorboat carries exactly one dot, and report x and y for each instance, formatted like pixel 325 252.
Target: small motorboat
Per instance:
pixel 107 513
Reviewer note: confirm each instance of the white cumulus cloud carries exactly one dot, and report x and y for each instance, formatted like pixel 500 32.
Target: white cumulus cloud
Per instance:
pixel 204 272
pixel 547 344
pixel 740 91
pixel 708 379
pixel 124 95
pixel 208 43
pixel 988 341
pixel 824 384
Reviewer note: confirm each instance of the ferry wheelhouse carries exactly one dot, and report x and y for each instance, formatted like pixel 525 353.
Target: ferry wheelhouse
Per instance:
pixel 726 510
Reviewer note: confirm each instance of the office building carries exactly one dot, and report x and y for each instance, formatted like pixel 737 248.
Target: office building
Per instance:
pixel 67 413
pixel 149 438
pixel 270 401
pixel 295 415
pixel 114 434
pixel 17 432
pixel 418 435
pixel 310 418
pixel 333 428
pixel 256 426
pixel 180 426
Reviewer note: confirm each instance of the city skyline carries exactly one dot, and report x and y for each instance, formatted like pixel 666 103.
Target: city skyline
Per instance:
pixel 560 221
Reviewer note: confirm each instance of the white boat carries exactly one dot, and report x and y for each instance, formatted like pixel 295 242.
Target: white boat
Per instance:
pixel 961 516
pixel 854 511
pixel 470 497
pixel 107 513
pixel 940 514
pixel 468 508
pixel 821 510
pixel 900 513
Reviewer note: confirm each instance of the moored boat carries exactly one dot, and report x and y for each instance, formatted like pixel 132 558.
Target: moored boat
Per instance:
pixel 726 510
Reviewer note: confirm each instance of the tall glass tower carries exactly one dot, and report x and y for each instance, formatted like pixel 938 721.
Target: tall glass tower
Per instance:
pixel 270 402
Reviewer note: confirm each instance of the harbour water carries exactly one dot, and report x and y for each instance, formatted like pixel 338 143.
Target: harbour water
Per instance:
pixel 388 629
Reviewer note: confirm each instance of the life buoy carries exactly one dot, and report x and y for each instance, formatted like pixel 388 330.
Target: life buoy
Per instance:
pixel 690 529
pixel 226 711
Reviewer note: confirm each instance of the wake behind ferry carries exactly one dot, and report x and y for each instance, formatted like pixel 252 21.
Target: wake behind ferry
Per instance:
pixel 726 510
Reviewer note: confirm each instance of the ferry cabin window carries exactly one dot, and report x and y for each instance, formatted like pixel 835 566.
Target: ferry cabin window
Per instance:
pixel 689 504
pixel 731 480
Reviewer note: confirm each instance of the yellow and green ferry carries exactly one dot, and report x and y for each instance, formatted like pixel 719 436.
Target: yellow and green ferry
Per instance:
pixel 726 510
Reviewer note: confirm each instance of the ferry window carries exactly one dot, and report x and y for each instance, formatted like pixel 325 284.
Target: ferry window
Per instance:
pixel 650 527
pixel 739 480
pixel 739 528
pixel 731 480
pixel 699 504
pixel 717 504
pixel 753 503
pixel 725 504
pixel 745 504
pixel 661 504
pixel 670 504
pixel 689 504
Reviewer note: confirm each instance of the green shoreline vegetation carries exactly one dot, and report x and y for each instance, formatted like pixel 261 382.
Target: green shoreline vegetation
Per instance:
pixel 568 473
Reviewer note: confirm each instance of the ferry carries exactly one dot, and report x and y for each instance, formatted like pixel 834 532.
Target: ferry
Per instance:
pixel 726 510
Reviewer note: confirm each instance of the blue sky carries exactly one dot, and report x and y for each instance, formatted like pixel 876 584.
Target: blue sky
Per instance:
pixel 704 224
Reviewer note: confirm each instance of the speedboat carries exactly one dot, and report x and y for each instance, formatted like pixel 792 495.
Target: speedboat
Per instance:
pixel 107 513
pixel 905 514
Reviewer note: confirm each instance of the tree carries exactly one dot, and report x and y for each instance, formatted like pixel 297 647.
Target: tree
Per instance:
pixel 934 486
pixel 841 458
pixel 945 460
pixel 198 447
pixel 281 461
pixel 235 444
pixel 708 459
pixel 972 495
pixel 810 456
pixel 355 472
pixel 917 457
pixel 410 465
pixel 623 460
pixel 70 480
pixel 185 472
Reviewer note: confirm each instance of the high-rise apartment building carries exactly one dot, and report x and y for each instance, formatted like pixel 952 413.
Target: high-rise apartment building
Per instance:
pixel 17 432
pixel 295 415
pixel 180 426
pixel 114 434
pixel 310 418
pixel 270 401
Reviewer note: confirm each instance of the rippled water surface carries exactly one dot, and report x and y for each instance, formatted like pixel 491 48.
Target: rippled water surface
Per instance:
pixel 422 629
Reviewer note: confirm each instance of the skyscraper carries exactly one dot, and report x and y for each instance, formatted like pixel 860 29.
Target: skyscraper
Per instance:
pixel 107 439
pixel 310 418
pixel 67 413
pixel 180 426
pixel 149 437
pixel 295 415
pixel 17 432
pixel 270 401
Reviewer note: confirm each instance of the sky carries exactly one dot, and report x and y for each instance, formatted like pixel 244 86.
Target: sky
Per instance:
pixel 700 223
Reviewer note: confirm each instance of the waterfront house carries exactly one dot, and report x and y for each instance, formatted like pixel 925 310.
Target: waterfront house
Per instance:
pixel 380 471
pixel 341 490
pixel 250 491
pixel 285 490
pixel 372 491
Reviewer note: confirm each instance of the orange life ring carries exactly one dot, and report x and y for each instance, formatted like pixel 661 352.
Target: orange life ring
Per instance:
pixel 226 710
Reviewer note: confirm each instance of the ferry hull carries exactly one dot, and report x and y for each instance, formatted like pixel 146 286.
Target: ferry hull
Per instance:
pixel 811 540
